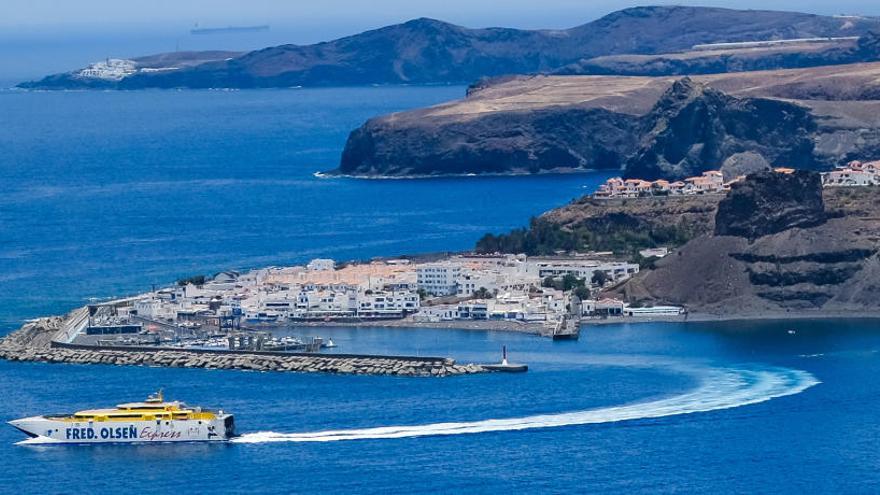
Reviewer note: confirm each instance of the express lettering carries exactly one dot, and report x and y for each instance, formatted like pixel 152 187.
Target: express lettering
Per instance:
pixel 148 434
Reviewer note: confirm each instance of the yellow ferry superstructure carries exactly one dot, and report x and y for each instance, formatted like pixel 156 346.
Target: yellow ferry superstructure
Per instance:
pixel 153 420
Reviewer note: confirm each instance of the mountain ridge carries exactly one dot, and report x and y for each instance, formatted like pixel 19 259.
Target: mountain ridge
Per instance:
pixel 429 51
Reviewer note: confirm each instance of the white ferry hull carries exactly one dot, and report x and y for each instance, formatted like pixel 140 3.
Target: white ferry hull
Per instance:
pixel 45 430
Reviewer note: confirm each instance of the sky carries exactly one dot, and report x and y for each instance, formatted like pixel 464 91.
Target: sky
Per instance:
pixel 42 36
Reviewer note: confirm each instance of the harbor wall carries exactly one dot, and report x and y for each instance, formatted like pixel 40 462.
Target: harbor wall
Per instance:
pixel 26 344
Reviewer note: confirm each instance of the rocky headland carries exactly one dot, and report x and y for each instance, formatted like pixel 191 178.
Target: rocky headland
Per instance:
pixel 648 127
pixel 779 246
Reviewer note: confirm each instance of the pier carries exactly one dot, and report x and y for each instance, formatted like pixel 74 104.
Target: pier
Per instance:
pixel 43 340
pixel 567 328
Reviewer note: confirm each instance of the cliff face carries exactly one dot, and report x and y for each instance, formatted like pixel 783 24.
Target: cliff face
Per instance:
pixel 771 202
pixel 787 257
pixel 722 59
pixel 694 124
pixel 650 127
pixel 520 142
pixel 619 225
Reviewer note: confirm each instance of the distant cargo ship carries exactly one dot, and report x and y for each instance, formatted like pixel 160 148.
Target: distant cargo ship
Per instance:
pixel 229 29
pixel 153 420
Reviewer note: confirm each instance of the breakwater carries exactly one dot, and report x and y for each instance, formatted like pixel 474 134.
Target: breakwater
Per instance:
pixel 30 343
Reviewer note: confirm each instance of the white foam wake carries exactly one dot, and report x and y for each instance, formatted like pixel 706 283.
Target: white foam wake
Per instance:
pixel 719 388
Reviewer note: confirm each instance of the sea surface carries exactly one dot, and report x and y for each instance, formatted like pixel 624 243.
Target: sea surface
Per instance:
pixel 651 408
pixel 107 193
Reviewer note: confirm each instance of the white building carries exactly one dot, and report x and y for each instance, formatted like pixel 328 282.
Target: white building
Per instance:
pixel 439 312
pixel 654 252
pixel 843 177
pixel 321 264
pixel 111 69
pixel 325 303
pixel 475 309
pixel 470 281
pixel 387 303
pixel 438 279
pixel 582 269
pixel 653 311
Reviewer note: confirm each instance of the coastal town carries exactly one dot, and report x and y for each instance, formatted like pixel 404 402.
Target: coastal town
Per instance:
pixel 545 295
pixel 854 173
pixel 537 294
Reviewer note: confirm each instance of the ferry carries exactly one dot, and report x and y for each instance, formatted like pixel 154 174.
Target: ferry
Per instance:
pixel 153 420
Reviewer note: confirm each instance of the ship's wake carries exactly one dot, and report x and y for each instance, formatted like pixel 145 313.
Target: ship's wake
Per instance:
pixel 718 388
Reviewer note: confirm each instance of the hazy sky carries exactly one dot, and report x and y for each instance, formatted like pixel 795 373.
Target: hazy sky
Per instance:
pixel 358 13
pixel 39 36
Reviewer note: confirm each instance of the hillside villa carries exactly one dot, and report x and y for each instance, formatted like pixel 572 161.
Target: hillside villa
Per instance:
pixel 854 173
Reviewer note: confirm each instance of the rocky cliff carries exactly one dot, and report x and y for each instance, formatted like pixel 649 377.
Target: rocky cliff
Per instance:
pixel 432 51
pixel 790 256
pixel 510 143
pixel 650 127
pixel 620 225
pixel 769 203
pixel 694 124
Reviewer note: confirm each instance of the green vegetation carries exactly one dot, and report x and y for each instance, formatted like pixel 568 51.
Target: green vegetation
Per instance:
pixel 541 237
pixel 483 293
pixel 648 263
pixel 568 282
pixel 582 292
pixel 195 280
pixel 600 278
pixel 619 233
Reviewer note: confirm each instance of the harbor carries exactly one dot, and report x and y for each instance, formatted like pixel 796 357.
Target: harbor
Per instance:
pixel 283 308
pixel 42 340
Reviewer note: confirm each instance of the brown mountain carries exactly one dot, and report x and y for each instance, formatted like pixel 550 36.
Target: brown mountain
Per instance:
pixel 778 247
pixel 722 58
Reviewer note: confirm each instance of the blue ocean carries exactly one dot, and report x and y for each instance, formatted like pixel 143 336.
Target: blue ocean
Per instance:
pixel 108 193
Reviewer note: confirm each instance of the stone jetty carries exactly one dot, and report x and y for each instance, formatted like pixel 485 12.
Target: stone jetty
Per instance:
pixel 33 342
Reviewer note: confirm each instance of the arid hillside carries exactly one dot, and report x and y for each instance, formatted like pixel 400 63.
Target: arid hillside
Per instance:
pixel 779 245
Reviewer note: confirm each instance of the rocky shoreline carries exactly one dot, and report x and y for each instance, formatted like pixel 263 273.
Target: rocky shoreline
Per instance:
pixel 725 318
pixel 33 343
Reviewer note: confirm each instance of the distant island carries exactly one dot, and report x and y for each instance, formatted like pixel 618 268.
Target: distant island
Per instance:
pixel 638 41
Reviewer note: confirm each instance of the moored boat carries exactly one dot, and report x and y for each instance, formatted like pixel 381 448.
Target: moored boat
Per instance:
pixel 153 420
